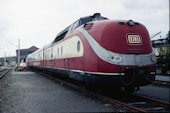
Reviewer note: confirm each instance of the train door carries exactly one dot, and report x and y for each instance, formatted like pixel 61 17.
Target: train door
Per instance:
pixel 50 58
pixel 66 63
pixel 53 62
pixel 43 62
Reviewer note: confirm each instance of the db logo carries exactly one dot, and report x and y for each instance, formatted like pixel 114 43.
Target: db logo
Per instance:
pixel 134 40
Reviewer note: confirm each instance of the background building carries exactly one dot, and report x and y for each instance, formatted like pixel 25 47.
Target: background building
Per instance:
pixel 162 52
pixel 13 60
pixel 10 61
pixel 25 52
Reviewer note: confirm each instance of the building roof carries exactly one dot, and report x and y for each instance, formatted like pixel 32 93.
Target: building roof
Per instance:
pixel 33 47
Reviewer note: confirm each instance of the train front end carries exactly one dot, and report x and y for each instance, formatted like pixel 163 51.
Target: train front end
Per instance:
pixel 124 52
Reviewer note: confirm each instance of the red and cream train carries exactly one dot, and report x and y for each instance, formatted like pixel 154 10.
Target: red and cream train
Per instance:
pixel 97 50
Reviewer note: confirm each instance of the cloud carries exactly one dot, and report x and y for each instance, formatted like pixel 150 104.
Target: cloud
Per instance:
pixel 37 22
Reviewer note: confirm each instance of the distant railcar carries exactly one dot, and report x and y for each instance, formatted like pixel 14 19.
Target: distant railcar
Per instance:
pixel 22 67
pixel 97 50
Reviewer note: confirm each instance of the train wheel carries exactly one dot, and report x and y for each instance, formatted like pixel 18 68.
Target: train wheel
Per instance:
pixel 128 79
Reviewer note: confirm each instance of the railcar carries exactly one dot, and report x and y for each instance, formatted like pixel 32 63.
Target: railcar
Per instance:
pixel 97 50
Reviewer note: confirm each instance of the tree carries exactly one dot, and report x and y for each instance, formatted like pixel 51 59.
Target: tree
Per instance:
pixel 168 50
pixel 168 37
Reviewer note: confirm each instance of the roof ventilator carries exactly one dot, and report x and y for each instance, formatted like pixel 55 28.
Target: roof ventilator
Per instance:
pixel 88 26
pixel 121 23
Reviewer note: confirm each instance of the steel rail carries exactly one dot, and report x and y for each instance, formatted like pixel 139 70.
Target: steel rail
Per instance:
pixel 126 106
pixel 163 83
pixel 104 98
pixel 4 73
pixel 154 101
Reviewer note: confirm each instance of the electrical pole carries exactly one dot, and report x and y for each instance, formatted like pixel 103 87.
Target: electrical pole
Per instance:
pixel 9 60
pixel 5 59
pixel 18 52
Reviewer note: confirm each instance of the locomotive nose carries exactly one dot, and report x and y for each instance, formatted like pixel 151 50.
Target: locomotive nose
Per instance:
pixel 119 43
pixel 126 37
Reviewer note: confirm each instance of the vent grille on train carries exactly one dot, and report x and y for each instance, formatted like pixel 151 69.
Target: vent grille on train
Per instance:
pixel 121 23
pixel 88 26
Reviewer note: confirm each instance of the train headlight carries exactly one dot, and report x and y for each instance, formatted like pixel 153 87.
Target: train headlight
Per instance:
pixel 153 58
pixel 116 58
pixel 130 22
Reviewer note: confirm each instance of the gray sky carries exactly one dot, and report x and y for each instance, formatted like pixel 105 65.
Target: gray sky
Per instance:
pixel 37 22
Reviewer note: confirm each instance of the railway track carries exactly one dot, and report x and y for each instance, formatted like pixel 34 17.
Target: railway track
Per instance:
pixel 130 103
pixel 4 71
pixel 162 83
pixel 146 104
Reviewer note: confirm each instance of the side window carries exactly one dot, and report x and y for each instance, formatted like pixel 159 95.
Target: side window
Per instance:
pixel 76 25
pixel 39 56
pixel 60 36
pixel 71 28
pixel 51 52
pixel 61 50
pixel 58 51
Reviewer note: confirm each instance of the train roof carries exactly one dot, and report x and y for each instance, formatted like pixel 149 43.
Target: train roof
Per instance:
pixel 79 22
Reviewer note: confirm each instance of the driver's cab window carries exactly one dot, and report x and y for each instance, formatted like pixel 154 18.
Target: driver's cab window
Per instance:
pixel 73 26
pixel 85 20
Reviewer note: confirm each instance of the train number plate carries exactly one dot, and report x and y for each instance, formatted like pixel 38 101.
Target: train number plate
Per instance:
pixel 134 39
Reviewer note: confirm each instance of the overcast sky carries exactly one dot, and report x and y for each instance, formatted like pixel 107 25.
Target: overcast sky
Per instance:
pixel 37 22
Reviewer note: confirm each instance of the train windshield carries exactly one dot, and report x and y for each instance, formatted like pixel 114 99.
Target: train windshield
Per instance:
pixel 95 17
pixel 79 22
